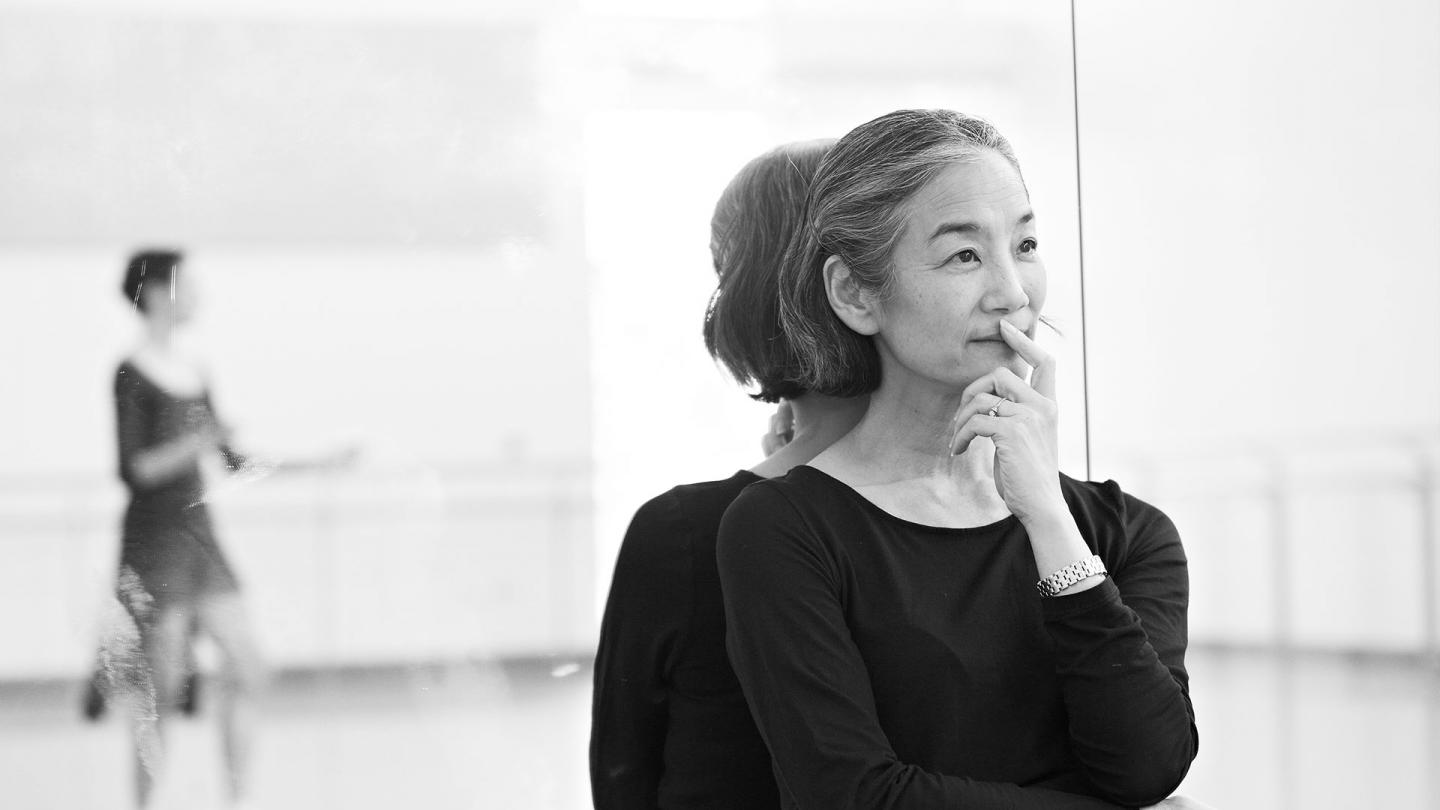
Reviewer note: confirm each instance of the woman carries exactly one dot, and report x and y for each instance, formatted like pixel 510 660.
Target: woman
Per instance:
pixel 173 578
pixel 881 601
pixel 670 728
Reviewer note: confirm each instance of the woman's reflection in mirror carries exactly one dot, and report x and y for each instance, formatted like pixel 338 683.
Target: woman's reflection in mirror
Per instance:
pixel 670 727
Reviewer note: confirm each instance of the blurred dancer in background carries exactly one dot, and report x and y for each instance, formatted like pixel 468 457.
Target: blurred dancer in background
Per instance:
pixel 670 728
pixel 174 580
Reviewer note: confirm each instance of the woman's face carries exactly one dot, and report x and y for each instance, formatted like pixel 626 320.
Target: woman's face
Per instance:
pixel 171 301
pixel 966 260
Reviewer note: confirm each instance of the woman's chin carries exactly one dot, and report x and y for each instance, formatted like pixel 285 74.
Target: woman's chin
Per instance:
pixel 976 367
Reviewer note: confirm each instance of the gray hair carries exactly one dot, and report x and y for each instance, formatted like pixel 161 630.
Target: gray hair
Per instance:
pixel 856 211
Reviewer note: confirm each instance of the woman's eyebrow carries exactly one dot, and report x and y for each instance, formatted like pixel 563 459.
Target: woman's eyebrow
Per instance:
pixel 954 227
pixel 972 227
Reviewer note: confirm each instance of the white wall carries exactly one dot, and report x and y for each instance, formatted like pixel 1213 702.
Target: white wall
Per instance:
pixel 1261 199
pixel 1261 249
pixel 1260 207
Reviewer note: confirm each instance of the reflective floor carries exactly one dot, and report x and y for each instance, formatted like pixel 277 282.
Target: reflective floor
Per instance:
pixel 1298 732
pixel 482 736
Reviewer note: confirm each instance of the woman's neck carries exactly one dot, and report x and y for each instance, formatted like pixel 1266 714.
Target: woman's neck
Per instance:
pixel 820 421
pixel 898 457
pixel 159 336
pixel 905 435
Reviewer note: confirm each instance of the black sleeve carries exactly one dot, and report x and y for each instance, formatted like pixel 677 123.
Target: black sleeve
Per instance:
pixel 132 422
pixel 1120 648
pixel 646 613
pixel 808 685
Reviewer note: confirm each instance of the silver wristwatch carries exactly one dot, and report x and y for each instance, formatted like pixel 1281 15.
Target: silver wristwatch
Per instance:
pixel 1069 575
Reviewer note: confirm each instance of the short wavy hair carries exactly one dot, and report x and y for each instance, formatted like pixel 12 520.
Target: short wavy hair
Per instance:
pixel 754 222
pixel 856 210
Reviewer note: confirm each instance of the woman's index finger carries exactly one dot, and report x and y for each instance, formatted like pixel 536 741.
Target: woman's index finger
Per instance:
pixel 1042 378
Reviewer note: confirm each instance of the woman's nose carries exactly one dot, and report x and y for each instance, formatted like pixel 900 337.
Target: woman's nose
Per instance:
pixel 1005 292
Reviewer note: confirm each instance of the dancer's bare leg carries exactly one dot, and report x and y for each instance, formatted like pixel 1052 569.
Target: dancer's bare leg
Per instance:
pixel 163 638
pixel 223 618
pixel 110 672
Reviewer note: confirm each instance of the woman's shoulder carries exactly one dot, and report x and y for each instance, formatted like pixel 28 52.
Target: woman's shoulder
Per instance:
pixel 1114 520
pixel 129 365
pixel 1107 497
pixel 709 497
pixel 783 527
pixel 668 520
pixel 129 378
pixel 181 376
pixel 803 508
pixel 801 491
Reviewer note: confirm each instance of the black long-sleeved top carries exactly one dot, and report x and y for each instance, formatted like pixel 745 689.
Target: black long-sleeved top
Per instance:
pixel 895 665
pixel 670 727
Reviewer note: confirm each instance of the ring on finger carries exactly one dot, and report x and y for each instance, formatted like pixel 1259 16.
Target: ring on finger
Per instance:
pixel 995 409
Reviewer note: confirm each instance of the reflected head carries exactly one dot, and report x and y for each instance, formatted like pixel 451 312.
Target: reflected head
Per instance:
pixel 152 270
pixel 858 210
pixel 754 221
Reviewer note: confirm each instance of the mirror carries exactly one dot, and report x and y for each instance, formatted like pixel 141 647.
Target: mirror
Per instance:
pixel 470 241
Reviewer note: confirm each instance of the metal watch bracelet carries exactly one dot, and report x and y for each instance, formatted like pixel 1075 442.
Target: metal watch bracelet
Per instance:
pixel 1069 575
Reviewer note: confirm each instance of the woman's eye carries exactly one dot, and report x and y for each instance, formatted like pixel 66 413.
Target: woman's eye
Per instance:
pixel 1029 246
pixel 966 256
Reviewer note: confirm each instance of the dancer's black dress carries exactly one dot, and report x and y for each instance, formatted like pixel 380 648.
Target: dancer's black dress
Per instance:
pixel 169 556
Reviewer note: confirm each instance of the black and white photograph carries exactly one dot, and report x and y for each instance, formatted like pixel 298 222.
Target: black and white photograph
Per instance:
pixel 725 405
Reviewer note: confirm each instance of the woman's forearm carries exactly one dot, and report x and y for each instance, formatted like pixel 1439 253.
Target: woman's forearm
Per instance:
pixel 1056 542
pixel 1132 728
pixel 1119 646
pixel 156 465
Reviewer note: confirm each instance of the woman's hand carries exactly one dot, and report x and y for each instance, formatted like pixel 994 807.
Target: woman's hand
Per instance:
pixel 207 437
pixel 1024 430
pixel 782 429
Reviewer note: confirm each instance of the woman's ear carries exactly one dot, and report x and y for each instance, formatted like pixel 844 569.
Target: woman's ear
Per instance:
pixel 856 307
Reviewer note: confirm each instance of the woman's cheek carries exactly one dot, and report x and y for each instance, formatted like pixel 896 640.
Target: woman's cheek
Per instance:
pixel 1037 288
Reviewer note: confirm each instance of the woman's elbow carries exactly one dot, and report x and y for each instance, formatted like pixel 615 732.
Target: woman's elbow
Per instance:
pixel 1151 775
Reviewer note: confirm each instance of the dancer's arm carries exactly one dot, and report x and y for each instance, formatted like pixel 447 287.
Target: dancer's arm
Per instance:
pixel 237 461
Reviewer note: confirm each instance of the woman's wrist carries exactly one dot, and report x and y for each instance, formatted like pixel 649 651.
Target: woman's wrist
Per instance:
pixel 1053 517
pixel 1083 585
pixel 1055 541
pixel 197 445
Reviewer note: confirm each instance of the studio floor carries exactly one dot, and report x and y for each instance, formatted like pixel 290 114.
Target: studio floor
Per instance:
pixel 1299 731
